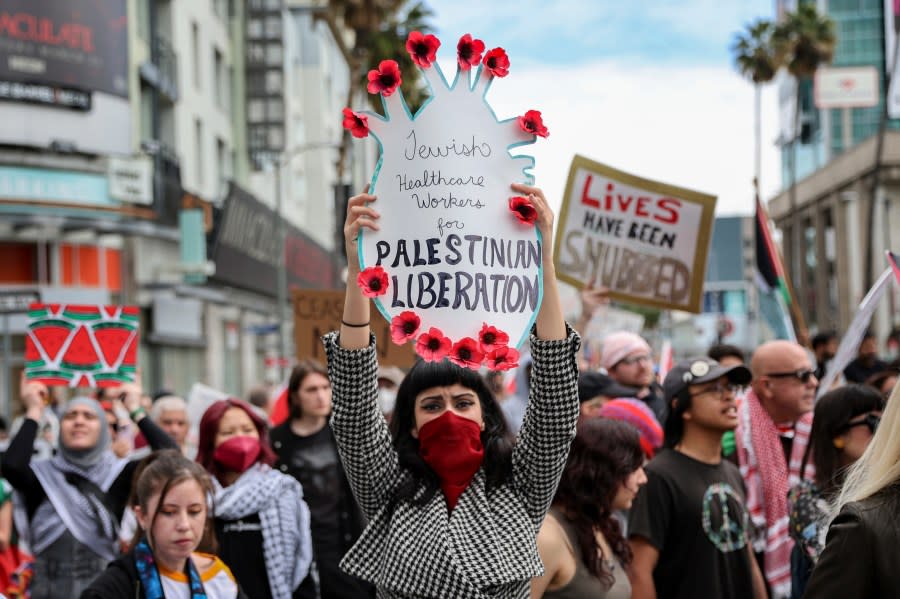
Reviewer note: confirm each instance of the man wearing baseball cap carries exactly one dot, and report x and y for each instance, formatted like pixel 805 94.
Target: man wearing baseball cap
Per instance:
pixel 688 527
pixel 628 360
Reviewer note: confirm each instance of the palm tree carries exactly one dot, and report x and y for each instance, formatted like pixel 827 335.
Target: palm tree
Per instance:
pixel 380 30
pixel 389 42
pixel 802 42
pixel 755 59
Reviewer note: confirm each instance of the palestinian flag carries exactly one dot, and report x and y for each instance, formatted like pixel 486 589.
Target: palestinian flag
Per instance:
pixel 893 260
pixel 774 297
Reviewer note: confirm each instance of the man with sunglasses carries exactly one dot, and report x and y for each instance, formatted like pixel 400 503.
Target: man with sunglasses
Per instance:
pixel 775 418
pixel 688 527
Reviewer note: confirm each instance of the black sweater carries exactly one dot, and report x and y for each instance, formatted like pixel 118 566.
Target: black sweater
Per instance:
pixel 16 466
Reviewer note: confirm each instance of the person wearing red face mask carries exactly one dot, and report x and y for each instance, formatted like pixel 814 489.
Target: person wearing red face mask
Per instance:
pixel 454 506
pixel 261 520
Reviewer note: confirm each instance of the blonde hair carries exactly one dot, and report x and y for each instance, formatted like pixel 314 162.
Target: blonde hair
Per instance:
pixel 879 466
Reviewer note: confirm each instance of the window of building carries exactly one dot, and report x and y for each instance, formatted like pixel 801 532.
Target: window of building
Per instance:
pixel 273 55
pixel 273 27
pixel 222 158
pixel 275 110
pixel 220 7
pixel 810 264
pixel 195 54
pixel 254 28
pixel 219 89
pixel 274 82
pixel 198 150
pixel 256 110
pixel 143 19
pixel 276 137
pixel 257 136
pixel 256 53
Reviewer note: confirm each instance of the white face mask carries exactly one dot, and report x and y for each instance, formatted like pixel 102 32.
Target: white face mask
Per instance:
pixel 386 400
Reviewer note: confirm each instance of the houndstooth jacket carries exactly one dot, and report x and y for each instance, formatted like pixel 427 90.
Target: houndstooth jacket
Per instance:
pixel 485 547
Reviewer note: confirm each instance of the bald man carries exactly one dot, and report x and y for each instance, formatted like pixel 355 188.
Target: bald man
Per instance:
pixel 774 422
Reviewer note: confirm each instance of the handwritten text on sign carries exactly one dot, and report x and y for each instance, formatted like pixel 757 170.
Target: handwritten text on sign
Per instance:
pixel 646 241
pixel 453 251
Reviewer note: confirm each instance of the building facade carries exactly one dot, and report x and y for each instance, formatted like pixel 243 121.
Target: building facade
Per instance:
pixel 140 178
pixel 824 219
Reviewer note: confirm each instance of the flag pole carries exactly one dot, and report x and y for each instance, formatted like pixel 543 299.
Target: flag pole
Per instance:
pixel 801 332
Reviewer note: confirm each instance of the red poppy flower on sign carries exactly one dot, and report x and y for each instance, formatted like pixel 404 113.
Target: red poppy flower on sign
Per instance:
pixel 465 353
pixel 502 358
pixel 497 62
pixel 523 209
pixel 532 123
pixel 468 52
pixel 373 281
pixel 404 326
pixel 422 48
pixel 385 79
pixel 490 338
pixel 433 346
pixel 357 124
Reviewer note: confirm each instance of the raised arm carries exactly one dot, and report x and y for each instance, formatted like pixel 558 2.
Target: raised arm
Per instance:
pixel 549 425
pixel 551 324
pixel 16 464
pixel 360 430
pixel 355 320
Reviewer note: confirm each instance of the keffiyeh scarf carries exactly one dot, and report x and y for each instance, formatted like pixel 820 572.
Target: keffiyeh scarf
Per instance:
pixel 768 478
pixel 284 517
pixel 89 521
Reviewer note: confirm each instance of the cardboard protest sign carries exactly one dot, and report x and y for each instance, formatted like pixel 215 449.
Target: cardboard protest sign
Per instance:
pixel 317 312
pixel 81 346
pixel 452 258
pixel 646 241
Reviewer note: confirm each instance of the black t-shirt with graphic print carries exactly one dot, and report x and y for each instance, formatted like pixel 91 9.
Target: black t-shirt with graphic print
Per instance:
pixel 694 514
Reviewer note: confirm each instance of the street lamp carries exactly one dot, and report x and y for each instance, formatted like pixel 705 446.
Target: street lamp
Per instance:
pixel 278 162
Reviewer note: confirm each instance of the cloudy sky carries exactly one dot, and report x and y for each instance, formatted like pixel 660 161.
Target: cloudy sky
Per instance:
pixel 647 87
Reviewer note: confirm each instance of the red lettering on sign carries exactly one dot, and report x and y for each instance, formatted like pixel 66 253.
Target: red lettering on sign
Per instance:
pixel 670 207
pixel 585 198
pixel 664 209
pixel 24 26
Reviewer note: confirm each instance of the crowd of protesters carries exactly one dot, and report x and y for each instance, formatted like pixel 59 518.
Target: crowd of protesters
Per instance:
pixel 722 477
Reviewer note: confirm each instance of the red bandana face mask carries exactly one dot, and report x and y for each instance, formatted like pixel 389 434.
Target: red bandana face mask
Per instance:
pixel 237 453
pixel 451 445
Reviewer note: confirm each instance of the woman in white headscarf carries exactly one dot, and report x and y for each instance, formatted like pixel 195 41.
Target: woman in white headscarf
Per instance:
pixel 68 507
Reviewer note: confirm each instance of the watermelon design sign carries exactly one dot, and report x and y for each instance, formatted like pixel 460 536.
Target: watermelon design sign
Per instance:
pixel 82 346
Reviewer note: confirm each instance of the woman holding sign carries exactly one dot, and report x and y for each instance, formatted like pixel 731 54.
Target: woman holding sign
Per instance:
pixel 69 507
pixel 453 507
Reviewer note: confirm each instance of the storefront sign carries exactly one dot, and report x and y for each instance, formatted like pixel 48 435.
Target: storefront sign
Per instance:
pixel 47 185
pixel 246 249
pixel 317 312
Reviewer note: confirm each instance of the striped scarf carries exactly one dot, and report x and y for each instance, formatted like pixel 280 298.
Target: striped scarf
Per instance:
pixel 768 478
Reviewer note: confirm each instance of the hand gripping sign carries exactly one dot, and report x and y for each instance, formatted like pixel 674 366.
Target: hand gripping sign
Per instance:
pixel 81 346
pixel 456 266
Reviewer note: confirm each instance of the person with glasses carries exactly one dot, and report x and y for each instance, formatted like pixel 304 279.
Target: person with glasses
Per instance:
pixel 688 528
pixel 774 423
pixel 860 555
pixel 628 360
pixel 844 422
